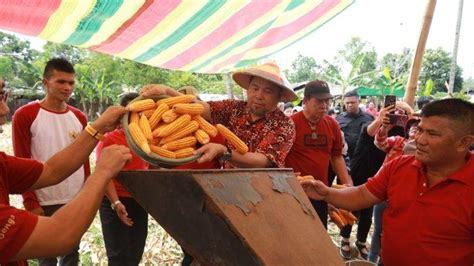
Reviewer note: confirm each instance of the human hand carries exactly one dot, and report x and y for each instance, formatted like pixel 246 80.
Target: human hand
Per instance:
pixel 315 189
pixel 383 117
pixel 210 151
pixel 109 119
pixel 157 89
pixel 122 213
pixel 112 159
pixel 38 211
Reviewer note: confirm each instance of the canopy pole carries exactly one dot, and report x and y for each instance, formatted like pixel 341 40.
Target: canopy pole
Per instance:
pixel 452 71
pixel 410 91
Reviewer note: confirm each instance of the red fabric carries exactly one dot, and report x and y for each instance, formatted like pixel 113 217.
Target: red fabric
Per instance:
pixel 311 157
pixel 16 176
pixel 118 137
pixel 16 227
pixel 21 124
pixel 421 225
pixel 272 135
pixel 393 146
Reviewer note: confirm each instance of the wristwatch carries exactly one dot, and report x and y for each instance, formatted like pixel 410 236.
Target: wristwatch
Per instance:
pixel 114 204
pixel 226 156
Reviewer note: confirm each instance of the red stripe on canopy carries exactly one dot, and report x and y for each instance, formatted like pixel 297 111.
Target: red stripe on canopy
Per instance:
pixel 27 17
pixel 156 12
pixel 234 24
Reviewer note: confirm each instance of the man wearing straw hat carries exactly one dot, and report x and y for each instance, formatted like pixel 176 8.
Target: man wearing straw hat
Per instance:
pixel 259 122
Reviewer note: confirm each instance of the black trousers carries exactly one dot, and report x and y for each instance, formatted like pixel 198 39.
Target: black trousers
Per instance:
pixel 363 225
pixel 124 244
pixel 321 208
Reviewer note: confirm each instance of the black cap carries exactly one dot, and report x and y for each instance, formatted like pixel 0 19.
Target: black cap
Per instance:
pixel 317 88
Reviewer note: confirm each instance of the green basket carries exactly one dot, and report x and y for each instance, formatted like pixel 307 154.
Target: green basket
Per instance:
pixel 152 158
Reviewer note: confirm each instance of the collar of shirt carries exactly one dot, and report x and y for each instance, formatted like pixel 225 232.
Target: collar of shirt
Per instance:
pixel 461 175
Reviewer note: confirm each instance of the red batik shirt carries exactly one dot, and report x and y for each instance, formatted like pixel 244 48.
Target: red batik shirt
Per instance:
pixel 272 135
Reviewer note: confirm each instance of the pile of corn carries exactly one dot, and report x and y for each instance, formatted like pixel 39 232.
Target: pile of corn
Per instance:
pixel 172 127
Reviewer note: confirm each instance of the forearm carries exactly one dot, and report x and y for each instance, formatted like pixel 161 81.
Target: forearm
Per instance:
pixel 111 192
pixel 373 127
pixel 68 224
pixel 250 160
pixel 351 198
pixel 339 167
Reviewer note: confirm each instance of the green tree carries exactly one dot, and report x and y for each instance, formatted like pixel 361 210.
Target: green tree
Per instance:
pixel 435 66
pixel 355 65
pixel 303 68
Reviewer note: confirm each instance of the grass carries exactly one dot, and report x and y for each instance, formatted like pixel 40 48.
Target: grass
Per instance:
pixel 160 249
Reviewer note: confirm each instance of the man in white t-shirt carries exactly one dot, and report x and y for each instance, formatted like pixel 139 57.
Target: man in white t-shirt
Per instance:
pixel 43 128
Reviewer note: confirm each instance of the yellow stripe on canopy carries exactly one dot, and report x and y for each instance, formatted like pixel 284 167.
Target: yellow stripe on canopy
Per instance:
pixel 166 27
pixel 125 12
pixel 66 19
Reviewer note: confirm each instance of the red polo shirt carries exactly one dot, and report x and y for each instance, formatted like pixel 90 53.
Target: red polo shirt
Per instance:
pixel 421 225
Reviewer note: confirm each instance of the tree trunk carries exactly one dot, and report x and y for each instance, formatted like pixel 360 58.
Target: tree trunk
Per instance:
pixel 228 85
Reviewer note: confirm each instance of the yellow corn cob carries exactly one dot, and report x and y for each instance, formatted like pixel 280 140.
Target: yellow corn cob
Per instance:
pixel 162 152
pixel 147 113
pixel 134 118
pixel 233 139
pixel 206 126
pixel 186 152
pixel 169 116
pixel 154 141
pixel 188 129
pixel 157 114
pixel 145 127
pixel 141 105
pixel 177 99
pixel 202 136
pixel 172 127
pixel 158 129
pixel 138 137
pixel 189 108
pixel 180 143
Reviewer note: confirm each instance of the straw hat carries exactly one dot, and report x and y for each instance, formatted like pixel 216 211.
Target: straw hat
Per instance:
pixel 270 72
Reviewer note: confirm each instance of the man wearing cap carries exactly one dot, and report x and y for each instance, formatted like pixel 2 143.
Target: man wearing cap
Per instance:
pixel 259 122
pixel 318 141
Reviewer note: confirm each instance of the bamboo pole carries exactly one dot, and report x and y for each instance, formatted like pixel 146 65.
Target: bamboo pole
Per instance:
pixel 452 71
pixel 411 87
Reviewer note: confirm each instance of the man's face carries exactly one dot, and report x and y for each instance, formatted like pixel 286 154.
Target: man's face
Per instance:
pixel 262 96
pixel 435 140
pixel 315 108
pixel 352 104
pixel 60 85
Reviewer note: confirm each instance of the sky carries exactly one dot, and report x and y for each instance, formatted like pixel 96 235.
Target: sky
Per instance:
pixel 389 26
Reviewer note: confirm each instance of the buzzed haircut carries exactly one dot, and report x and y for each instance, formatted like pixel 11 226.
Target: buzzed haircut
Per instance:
pixel 352 93
pixel 128 97
pixel 423 100
pixel 460 111
pixel 58 64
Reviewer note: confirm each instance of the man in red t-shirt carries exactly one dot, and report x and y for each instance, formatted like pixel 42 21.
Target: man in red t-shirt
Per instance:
pixel 24 235
pixel 429 219
pixel 318 141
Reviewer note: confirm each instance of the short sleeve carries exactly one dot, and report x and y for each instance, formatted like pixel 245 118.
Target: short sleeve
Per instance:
pixel 16 227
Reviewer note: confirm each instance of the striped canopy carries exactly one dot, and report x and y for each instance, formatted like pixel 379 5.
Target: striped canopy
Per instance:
pixel 211 36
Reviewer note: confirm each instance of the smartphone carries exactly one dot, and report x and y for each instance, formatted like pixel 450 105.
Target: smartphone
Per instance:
pixel 398 120
pixel 390 100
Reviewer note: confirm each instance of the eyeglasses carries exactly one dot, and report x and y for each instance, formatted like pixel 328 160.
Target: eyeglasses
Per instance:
pixel 4 95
